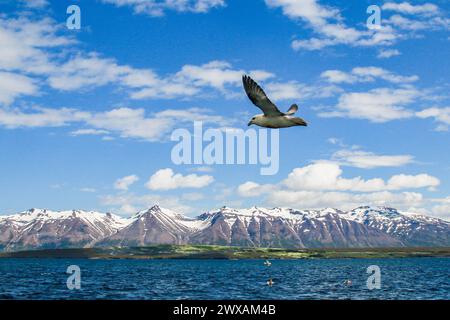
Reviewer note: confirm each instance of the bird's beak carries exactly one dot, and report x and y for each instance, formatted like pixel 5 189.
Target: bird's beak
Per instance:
pixel 250 123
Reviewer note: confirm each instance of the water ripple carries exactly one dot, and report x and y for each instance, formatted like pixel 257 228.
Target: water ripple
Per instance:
pixel 423 278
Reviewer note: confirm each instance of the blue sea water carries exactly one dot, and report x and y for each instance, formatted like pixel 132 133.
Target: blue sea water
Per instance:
pixel 415 278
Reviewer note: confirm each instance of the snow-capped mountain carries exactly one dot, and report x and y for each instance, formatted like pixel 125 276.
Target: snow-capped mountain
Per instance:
pixel 412 229
pixel 254 227
pixel 288 228
pixel 40 228
pixel 156 225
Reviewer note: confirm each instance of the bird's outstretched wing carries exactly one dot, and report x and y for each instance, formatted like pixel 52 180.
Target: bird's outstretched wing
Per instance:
pixel 259 98
pixel 292 110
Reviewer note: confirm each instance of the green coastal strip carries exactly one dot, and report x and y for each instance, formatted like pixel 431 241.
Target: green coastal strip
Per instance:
pixel 224 252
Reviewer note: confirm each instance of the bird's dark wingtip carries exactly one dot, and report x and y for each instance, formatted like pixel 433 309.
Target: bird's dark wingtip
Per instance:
pixel 247 82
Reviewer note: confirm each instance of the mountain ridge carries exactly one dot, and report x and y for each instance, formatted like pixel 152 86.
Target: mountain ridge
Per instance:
pixel 362 227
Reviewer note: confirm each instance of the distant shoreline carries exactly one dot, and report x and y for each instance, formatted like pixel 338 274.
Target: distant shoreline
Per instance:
pixel 158 252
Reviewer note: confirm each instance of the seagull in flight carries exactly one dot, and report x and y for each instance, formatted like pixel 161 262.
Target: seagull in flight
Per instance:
pixel 272 117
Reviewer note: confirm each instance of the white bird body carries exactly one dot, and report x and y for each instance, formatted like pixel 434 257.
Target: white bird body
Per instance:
pixel 272 117
pixel 284 121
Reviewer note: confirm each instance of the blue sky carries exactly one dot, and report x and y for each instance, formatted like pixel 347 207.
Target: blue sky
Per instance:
pixel 86 115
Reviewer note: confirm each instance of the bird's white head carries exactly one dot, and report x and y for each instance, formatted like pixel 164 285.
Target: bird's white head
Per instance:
pixel 256 120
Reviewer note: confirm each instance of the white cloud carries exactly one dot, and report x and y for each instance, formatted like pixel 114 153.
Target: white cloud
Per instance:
pixel 408 19
pixel 214 74
pixel 293 90
pixel 403 181
pixel 25 53
pixel 381 105
pixel 158 8
pixel 88 190
pixel 384 36
pixel 309 10
pixel 125 122
pixel 329 26
pixel 336 141
pixel 125 182
pixel 328 23
pixel 130 123
pixel 312 44
pixel 368 160
pixel 370 73
pixel 406 7
pixel 202 169
pixel 377 105
pixel 406 23
pixel 285 91
pixel 93 71
pixel 25 43
pixel 191 79
pixel 442 210
pixel 388 53
pixel 343 200
pixel 14 85
pixel 337 76
pixel 365 74
pixel 28 47
pixel 40 117
pixel 127 203
pixel 86 132
pixel 35 4
pixel 133 123
pixel 441 115
pixel 326 178
pixel 90 71
pixel 253 189
pixel 167 179
pixel 26 50
pixel 322 185
pixel 324 20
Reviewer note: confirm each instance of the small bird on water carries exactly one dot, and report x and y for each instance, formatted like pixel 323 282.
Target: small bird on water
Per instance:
pixel 272 117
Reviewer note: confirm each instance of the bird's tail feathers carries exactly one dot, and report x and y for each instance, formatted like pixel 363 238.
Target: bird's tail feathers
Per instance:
pixel 293 109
